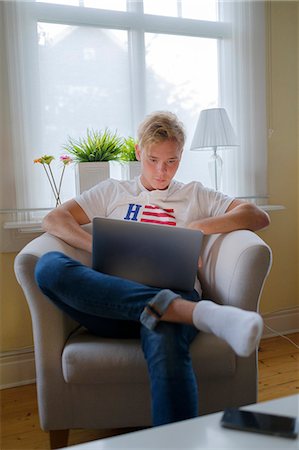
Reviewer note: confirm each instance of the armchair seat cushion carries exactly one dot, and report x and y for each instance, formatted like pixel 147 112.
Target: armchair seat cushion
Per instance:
pixel 89 359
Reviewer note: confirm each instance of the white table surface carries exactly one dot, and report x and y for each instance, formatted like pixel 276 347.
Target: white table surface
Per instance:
pixel 204 433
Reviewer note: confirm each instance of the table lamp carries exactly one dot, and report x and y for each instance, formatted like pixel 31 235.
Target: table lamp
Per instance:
pixel 214 130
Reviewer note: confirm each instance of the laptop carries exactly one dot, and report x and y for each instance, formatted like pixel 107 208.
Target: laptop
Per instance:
pixel 161 256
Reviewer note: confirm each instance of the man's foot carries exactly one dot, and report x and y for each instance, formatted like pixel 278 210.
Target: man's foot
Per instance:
pixel 242 330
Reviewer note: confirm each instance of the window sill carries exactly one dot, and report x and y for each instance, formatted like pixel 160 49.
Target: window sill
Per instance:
pixel 20 226
pixel 258 202
pixel 270 208
pixel 24 227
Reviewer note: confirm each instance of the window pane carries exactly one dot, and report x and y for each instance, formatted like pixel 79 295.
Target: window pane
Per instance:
pixel 187 9
pixel 61 2
pixel 182 76
pixel 201 10
pixel 84 83
pixel 161 8
pixel 115 5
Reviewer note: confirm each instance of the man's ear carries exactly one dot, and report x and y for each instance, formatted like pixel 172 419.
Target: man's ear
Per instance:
pixel 137 152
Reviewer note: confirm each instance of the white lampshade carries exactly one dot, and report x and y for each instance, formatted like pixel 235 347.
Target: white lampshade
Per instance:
pixel 213 129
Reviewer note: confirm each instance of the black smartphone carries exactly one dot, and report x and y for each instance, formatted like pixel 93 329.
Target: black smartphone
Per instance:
pixel 277 425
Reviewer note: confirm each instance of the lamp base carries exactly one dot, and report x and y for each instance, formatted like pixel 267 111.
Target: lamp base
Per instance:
pixel 215 164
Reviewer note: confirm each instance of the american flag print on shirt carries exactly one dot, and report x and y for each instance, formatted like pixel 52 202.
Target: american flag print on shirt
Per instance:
pixel 155 214
pixel 150 214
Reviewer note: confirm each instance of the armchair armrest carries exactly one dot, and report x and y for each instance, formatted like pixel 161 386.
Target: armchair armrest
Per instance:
pixel 51 327
pixel 235 267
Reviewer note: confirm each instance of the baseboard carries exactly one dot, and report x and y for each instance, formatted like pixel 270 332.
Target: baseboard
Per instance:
pixel 17 368
pixel 283 322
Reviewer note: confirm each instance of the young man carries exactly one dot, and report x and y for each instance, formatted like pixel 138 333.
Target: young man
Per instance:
pixel 166 321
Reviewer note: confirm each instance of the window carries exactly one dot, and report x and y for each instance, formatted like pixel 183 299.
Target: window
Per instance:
pixel 78 64
pixel 114 5
pixel 84 76
pixel 188 9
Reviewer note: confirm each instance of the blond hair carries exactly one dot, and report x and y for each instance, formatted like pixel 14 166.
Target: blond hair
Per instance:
pixel 160 126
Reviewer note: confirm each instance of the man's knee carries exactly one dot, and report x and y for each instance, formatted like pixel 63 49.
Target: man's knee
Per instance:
pixel 48 266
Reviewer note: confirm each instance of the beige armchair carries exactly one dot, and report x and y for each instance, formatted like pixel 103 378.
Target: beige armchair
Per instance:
pixel 84 381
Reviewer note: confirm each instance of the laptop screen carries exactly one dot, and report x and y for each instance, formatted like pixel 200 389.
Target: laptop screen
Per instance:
pixel 156 255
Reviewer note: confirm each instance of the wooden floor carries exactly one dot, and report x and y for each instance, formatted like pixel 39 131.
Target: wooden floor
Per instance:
pixel 278 377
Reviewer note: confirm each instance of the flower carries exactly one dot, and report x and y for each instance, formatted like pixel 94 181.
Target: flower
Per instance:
pixel 65 159
pixel 46 163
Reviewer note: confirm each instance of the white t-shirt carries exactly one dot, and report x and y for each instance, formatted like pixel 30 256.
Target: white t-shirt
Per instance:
pixel 178 205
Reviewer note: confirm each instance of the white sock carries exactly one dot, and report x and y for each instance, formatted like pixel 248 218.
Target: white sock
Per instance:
pixel 242 330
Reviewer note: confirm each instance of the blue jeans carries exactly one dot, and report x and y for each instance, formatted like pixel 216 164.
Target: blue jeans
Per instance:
pixel 113 307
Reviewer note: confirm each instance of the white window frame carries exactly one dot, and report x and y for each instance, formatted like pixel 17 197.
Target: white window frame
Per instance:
pixel 23 114
pixel 137 24
pixel 18 115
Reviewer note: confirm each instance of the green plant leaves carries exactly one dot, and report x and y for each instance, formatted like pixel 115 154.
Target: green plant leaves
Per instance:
pixel 128 150
pixel 96 146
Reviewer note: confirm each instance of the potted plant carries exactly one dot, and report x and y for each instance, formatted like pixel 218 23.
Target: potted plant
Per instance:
pixel 131 166
pixel 93 154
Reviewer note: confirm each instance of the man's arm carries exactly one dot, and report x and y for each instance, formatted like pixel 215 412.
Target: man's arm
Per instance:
pixel 64 222
pixel 238 216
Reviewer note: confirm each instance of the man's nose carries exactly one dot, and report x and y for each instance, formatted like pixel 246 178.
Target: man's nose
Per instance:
pixel 162 167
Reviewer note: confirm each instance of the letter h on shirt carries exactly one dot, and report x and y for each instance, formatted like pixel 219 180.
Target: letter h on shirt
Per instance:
pixel 132 213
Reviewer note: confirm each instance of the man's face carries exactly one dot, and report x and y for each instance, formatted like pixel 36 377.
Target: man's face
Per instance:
pixel 159 163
